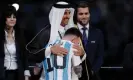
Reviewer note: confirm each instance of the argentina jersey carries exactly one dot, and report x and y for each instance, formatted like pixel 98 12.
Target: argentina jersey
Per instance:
pixel 59 67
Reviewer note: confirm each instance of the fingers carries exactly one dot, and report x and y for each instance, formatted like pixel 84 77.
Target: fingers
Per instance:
pixel 59 54
pixel 63 50
pixel 36 70
pixel 76 53
pixel 79 50
pixel 76 46
pixel 56 49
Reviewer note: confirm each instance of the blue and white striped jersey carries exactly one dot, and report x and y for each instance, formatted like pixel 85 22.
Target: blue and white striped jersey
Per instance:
pixel 59 67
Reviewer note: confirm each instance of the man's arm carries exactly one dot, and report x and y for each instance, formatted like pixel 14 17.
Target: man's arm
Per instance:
pixel 76 61
pixel 38 68
pixel 36 47
pixel 80 52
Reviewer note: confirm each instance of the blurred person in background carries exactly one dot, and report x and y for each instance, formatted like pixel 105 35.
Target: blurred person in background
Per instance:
pixel 13 58
pixel 92 39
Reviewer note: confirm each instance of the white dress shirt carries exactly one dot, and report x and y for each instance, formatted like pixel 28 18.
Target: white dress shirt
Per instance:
pixel 10 61
pixel 10 53
pixel 80 28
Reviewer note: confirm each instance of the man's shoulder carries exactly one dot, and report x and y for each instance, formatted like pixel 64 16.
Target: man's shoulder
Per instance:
pixel 97 31
pixel 45 29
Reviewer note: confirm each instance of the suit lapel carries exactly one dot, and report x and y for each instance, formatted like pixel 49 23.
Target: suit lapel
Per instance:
pixel 17 40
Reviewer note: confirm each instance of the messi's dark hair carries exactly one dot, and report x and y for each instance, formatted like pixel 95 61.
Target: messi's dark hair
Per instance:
pixel 73 31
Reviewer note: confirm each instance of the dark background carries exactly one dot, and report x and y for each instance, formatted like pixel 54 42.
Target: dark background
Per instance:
pixel 113 17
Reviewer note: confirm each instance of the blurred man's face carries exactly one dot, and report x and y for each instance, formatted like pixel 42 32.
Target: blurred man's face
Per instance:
pixel 65 17
pixel 83 16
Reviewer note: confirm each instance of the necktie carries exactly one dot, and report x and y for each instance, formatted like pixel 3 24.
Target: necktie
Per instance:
pixel 84 37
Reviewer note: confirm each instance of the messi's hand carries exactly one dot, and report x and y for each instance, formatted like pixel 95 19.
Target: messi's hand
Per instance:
pixel 79 50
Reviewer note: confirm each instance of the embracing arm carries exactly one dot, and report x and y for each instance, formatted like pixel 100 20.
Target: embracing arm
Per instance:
pixel 80 52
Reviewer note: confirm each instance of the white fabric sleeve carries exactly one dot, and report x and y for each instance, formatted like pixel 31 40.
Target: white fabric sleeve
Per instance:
pixel 47 51
pixel 75 59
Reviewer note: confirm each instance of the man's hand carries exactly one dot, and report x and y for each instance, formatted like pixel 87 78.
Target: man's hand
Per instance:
pixel 26 77
pixel 36 70
pixel 56 49
pixel 79 50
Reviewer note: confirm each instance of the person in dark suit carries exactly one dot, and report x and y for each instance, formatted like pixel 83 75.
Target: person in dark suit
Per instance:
pixel 92 40
pixel 13 61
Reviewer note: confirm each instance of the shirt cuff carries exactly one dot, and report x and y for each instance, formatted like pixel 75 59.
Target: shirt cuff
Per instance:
pixel 47 51
pixel 27 73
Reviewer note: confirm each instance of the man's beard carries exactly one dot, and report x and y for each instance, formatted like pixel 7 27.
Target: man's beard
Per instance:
pixel 84 22
pixel 64 23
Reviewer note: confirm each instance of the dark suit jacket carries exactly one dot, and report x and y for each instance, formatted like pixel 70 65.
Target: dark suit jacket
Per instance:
pixel 94 51
pixel 95 48
pixel 20 53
